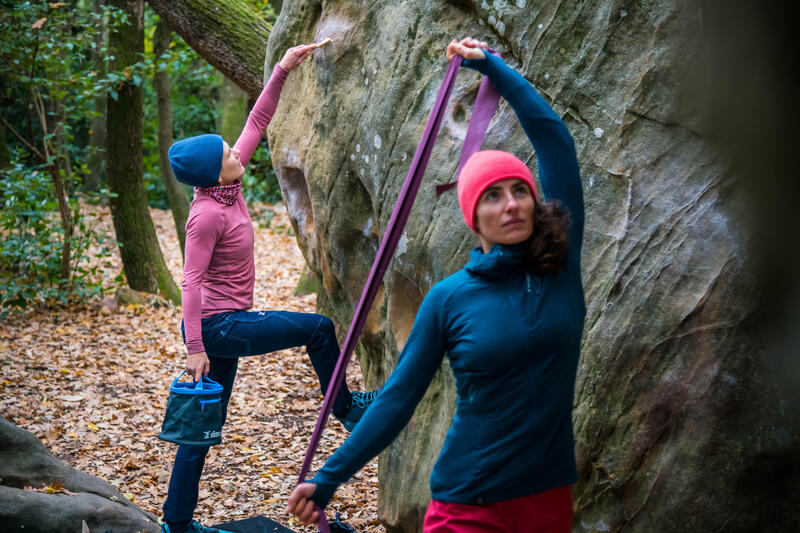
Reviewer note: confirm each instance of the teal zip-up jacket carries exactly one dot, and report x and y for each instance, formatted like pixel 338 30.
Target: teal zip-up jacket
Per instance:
pixel 513 340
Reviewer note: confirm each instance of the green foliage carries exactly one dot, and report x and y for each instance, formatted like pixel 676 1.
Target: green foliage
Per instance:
pixel 36 33
pixel 264 9
pixel 46 96
pixel 259 183
pixel 45 64
pixel 32 240
pixel 194 98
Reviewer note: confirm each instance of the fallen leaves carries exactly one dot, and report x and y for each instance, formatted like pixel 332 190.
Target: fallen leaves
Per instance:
pixel 92 383
pixel 131 465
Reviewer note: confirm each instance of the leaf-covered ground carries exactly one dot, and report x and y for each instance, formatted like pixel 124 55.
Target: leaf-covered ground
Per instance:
pixel 92 382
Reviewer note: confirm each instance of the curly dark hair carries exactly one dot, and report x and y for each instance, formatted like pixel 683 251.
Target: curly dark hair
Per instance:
pixel 549 242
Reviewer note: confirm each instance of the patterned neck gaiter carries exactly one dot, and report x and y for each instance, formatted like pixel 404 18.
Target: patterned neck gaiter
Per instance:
pixel 224 194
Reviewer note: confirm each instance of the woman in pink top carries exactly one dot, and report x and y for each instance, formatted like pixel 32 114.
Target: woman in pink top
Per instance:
pixel 218 279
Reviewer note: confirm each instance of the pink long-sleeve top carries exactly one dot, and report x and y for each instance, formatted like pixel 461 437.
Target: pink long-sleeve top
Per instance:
pixel 219 272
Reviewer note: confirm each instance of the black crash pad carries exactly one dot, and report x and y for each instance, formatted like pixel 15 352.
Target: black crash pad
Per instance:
pixel 262 524
pixel 254 524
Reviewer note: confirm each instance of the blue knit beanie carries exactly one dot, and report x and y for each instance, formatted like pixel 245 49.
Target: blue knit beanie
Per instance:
pixel 197 160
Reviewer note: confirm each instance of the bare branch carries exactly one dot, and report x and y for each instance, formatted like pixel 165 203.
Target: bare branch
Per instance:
pixel 24 141
pixel 38 104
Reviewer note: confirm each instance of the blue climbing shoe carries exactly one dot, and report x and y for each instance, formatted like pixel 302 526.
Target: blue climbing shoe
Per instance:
pixel 358 405
pixel 193 527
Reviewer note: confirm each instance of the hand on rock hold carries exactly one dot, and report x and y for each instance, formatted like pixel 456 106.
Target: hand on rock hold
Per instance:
pixel 468 48
pixel 295 55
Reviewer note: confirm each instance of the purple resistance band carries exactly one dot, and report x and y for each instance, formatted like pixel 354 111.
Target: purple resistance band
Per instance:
pixel 485 106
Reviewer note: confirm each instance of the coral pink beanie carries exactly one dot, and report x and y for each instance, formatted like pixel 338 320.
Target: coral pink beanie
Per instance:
pixel 483 169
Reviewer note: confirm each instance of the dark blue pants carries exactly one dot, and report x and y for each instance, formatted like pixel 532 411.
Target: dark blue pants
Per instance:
pixel 228 336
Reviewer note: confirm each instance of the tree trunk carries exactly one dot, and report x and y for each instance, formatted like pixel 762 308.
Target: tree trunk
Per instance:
pixel 176 193
pixel 55 174
pixel 230 37
pixel 61 148
pixel 233 112
pixel 66 220
pixel 97 140
pixel 25 462
pixel 61 183
pixel 5 155
pixel 141 255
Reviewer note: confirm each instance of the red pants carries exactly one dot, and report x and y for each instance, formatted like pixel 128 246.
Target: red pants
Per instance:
pixel 545 512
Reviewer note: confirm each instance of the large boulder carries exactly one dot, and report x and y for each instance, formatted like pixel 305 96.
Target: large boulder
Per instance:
pixel 679 422
pixel 40 494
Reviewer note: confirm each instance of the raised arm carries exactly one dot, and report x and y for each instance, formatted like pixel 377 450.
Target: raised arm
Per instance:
pixel 261 114
pixel 393 408
pixel 558 163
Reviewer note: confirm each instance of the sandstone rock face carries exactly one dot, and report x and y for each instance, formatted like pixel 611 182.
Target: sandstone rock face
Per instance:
pixel 678 421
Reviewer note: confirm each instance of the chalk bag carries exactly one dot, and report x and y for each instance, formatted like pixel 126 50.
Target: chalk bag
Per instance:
pixel 194 413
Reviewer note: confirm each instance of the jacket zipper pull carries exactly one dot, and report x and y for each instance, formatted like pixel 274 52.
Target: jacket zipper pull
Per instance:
pixel 528 279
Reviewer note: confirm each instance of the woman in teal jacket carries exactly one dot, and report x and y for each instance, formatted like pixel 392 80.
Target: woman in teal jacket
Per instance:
pixel 510 323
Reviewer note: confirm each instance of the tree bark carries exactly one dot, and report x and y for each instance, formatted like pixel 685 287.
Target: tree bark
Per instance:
pixel 141 255
pixel 97 140
pixel 176 193
pixel 232 39
pixel 5 155
pixel 66 220
pixel 232 112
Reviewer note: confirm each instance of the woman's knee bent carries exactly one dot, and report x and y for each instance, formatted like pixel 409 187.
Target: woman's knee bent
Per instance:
pixel 325 329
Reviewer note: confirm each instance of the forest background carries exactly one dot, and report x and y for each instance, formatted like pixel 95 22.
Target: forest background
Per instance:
pixel 56 78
